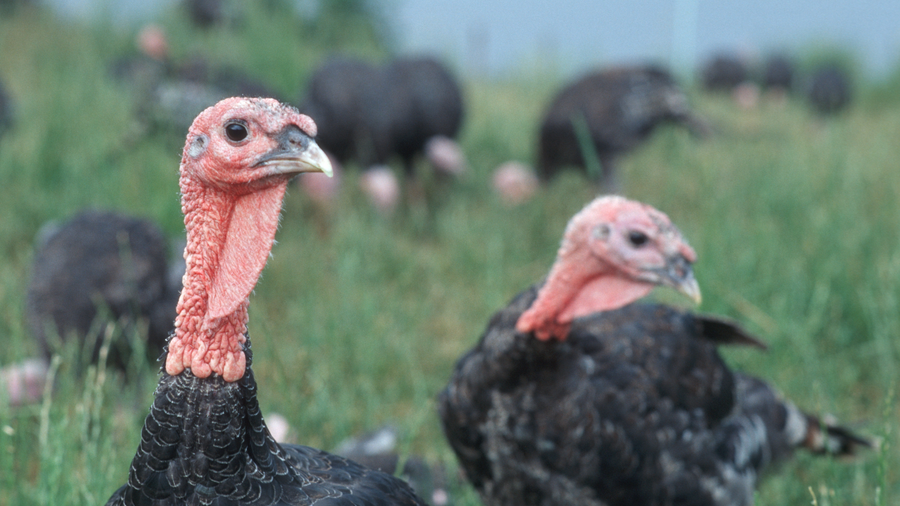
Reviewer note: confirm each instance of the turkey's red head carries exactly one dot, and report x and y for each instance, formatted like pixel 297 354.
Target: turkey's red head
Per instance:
pixel 237 160
pixel 614 252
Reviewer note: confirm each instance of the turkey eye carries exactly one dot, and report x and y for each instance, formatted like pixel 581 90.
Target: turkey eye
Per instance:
pixel 236 131
pixel 638 239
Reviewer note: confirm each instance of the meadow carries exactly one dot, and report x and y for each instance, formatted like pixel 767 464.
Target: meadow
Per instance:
pixel 359 318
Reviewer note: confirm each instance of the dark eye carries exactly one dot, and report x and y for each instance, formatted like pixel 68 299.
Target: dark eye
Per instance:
pixel 236 131
pixel 637 239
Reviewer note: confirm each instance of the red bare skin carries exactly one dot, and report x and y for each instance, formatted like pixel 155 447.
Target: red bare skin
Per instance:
pixel 599 267
pixel 231 202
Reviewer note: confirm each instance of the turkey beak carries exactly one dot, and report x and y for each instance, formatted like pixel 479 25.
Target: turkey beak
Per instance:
pixel 679 275
pixel 296 153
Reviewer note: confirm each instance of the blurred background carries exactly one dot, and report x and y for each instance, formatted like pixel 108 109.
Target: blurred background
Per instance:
pixel 766 130
pixel 503 36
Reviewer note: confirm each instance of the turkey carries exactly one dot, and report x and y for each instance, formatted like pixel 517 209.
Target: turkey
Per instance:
pixel 778 74
pixel 205 440
pixel 370 114
pixel 724 72
pixel 574 395
pixel 336 98
pixel 409 108
pixel 828 90
pixel 101 266
pixel 6 110
pixel 420 104
pixel 608 113
pixel 169 94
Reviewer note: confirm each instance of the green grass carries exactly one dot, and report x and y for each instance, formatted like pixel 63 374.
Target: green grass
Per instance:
pixel 358 320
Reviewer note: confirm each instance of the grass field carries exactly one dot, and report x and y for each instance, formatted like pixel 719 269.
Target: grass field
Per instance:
pixel 358 320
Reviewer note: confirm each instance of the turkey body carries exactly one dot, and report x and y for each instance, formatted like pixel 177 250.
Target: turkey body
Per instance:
pixel 635 406
pixel 101 261
pixel 618 109
pixel 338 98
pixel 423 101
pixel 370 114
pixel 828 90
pixel 205 442
pixel 6 110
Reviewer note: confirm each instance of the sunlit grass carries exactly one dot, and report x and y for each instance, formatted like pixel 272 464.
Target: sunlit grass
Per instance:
pixel 358 319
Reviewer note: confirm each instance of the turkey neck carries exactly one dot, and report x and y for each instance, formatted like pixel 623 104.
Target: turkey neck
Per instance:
pixel 208 345
pixel 503 350
pixel 208 437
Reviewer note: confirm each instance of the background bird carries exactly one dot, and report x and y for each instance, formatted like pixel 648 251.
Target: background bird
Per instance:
pixel 407 109
pixel 205 441
pixel 97 267
pixel 724 72
pixel 168 94
pixel 6 110
pixel 605 114
pixel 828 89
pixel 778 73
pixel 574 395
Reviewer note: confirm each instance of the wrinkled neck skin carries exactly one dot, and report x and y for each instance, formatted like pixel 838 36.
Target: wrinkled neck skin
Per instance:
pixel 571 293
pixel 206 345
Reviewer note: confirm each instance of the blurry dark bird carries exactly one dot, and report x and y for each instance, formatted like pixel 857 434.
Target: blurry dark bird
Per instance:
pixel 420 101
pixel 168 94
pixel 151 64
pixel 195 85
pixel 378 450
pixel 724 72
pixel 101 266
pixel 574 395
pixel 409 108
pixel 205 440
pixel 778 73
pixel 337 97
pixel 205 13
pixel 828 89
pixel 370 114
pixel 6 110
pixel 606 114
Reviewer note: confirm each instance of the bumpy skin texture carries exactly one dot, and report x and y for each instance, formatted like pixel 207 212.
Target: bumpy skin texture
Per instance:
pixel 106 259
pixel 635 406
pixel 205 442
pixel 620 108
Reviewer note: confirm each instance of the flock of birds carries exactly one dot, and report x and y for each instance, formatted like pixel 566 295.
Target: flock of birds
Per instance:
pixel 575 394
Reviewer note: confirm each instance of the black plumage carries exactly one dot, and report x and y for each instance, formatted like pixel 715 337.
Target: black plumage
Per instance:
pixel 778 73
pixel 98 265
pixel 635 406
pixel 169 94
pixel 617 109
pixel 377 450
pixel 6 110
pixel 371 114
pixel 205 442
pixel 337 98
pixel 421 100
pixel 724 72
pixel 205 13
pixel 828 90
